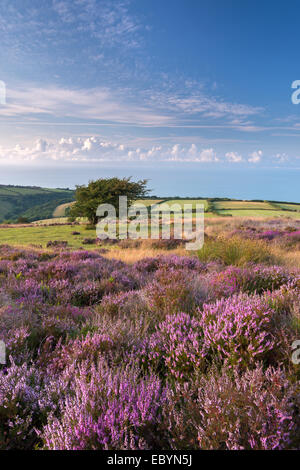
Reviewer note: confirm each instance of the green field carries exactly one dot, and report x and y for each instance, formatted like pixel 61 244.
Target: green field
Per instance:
pixel 287 206
pixel 254 209
pixel 181 202
pixel 41 235
pixel 259 213
pixel 242 205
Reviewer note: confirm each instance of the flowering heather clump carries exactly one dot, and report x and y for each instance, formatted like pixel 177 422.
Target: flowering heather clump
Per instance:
pixel 87 349
pixel 170 261
pixel 283 299
pixel 269 234
pixel 123 303
pixel 255 279
pixel 172 291
pixel 24 326
pixel 182 262
pixel 237 331
pixel 257 410
pixel 147 265
pixel 293 235
pixel 176 346
pixel 275 234
pixel 107 410
pixel 20 390
pixel 169 352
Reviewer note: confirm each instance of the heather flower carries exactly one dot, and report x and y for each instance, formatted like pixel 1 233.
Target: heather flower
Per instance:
pixel 171 291
pixel 258 410
pixel 20 389
pixel 70 319
pixel 176 347
pixel 107 410
pixel 123 303
pixel 254 279
pixel 87 349
pixel 237 331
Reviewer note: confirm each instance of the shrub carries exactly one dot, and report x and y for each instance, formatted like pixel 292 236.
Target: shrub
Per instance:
pixel 57 244
pixel 259 410
pixel 175 348
pixel 86 349
pixel 20 413
pixel 89 241
pixel 170 292
pixel 168 352
pixel 254 279
pixel 237 331
pixel 113 410
pixel 123 303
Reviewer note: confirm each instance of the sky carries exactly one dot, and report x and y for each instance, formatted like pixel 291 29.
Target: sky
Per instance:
pixel 97 81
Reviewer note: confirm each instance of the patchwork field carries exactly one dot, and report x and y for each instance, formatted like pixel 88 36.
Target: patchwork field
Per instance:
pixel 222 207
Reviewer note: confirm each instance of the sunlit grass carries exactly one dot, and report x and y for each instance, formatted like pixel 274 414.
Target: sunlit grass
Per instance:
pixel 236 251
pixel 41 235
pixel 259 213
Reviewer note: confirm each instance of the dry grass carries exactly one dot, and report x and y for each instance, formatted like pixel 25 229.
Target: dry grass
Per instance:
pixel 290 259
pixel 131 255
pixel 60 211
pixel 229 249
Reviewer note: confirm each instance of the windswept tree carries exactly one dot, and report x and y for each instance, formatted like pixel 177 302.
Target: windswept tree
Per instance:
pixel 105 191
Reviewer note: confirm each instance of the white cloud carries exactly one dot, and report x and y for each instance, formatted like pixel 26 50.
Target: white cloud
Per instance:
pixel 122 106
pixel 200 103
pixel 104 23
pixel 281 157
pixel 255 157
pixel 90 104
pixel 233 157
pixel 207 155
pixel 96 149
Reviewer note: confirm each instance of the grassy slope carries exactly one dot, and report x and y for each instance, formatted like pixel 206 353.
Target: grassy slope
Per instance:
pixel 287 206
pixel 30 202
pixel 60 211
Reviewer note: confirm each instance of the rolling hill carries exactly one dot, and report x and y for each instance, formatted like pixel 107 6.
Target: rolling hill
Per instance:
pixel 31 202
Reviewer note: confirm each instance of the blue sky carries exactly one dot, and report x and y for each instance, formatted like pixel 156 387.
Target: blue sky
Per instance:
pixel 147 81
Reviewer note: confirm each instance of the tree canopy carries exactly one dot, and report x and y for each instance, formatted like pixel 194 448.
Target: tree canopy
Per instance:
pixel 105 191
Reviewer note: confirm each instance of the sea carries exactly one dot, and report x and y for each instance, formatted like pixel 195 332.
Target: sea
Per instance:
pixel 167 180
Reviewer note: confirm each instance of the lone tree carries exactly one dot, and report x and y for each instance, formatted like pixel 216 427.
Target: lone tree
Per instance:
pixel 105 191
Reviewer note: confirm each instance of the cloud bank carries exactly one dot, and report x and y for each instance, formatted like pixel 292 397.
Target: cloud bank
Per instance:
pixel 96 149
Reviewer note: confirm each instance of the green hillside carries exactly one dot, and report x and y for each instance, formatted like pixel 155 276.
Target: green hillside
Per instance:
pixel 30 202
